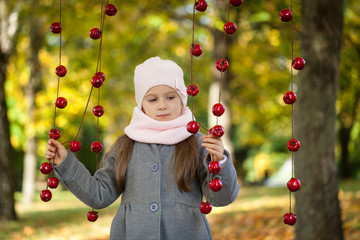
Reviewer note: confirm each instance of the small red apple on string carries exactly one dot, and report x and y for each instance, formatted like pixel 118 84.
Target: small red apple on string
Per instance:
pixel 205 207
pixel 45 195
pixel 289 218
pixel 285 15
pixel 55 27
pixel 216 185
pixel 98 111
pixel 60 71
pixel 218 109
pixel 46 168
pixel 53 182
pixel 218 131
pixel 97 81
pixel 230 28
pixel 75 146
pixel 214 167
pixel 222 65
pixel 192 90
pixel 201 5
pixel 110 10
pixel 289 97
pixel 294 184
pixel 54 134
pixel 61 102
pixel 96 147
pixel 192 127
pixel 298 63
pixel 95 33
pixel 196 50
pixel 293 145
pixel 92 216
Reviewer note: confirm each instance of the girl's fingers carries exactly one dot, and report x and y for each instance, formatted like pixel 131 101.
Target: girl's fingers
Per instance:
pixel 212 146
pixel 50 148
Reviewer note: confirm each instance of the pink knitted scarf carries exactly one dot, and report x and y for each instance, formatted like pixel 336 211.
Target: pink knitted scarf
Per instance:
pixel 144 129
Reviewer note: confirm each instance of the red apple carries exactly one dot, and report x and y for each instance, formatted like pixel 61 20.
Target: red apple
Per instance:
pixel 214 167
pixel 294 184
pixel 45 195
pixel 215 185
pixel 53 182
pixel 192 127
pixel 98 111
pixel 46 168
pixel 75 146
pixel 92 216
pixel 205 207
pixel 54 133
pixel 289 218
pixel 96 147
pixel 293 145
pixel 55 27
pixel 192 90
pixel 218 109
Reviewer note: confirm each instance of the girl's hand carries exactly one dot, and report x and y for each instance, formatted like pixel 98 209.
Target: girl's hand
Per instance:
pixel 55 152
pixel 214 146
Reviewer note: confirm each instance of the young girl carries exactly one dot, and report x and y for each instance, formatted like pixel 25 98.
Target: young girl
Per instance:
pixel 159 168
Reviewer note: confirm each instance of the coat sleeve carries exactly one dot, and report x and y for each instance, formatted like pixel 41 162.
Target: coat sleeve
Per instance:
pixel 227 175
pixel 97 191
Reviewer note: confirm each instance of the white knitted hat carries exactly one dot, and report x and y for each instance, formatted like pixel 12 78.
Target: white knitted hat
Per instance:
pixel 156 71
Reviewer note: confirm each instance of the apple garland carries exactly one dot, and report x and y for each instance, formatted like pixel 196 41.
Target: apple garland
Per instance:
pixel 96 81
pixel 60 102
pixel 218 109
pixel 289 98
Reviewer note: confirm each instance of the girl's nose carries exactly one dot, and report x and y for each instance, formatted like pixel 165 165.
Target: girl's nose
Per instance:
pixel 162 105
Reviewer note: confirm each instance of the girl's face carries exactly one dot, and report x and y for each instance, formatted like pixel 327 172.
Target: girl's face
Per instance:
pixel 162 103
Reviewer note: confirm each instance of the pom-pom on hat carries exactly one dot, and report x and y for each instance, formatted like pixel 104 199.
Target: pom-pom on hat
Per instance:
pixel 156 71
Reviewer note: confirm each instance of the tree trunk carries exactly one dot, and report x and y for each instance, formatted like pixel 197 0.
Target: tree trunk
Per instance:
pixel 7 188
pixel 8 28
pixel 317 204
pixel 36 39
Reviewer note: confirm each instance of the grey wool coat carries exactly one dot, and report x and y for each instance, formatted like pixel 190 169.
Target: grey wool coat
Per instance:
pixel 152 207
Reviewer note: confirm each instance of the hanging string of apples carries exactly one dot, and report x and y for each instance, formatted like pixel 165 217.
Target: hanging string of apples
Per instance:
pixel 96 81
pixel 60 71
pixel 286 15
pixel 218 109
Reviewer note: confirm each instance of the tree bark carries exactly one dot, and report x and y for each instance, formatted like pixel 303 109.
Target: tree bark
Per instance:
pixel 317 204
pixel 8 27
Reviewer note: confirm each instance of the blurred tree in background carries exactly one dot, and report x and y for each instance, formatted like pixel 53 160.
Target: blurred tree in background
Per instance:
pixel 9 14
pixel 259 74
pixel 317 203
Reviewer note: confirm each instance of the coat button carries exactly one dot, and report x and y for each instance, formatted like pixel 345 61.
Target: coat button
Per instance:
pixel 153 207
pixel 154 167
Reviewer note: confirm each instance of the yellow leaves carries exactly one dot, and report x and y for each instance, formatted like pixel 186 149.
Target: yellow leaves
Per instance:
pixel 261 165
pixel 273 37
pixel 14 141
pixel 180 51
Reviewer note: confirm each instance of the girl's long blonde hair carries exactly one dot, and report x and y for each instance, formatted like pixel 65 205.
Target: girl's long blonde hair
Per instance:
pixel 186 160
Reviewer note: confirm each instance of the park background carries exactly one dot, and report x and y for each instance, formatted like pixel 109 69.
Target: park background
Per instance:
pixel 326 121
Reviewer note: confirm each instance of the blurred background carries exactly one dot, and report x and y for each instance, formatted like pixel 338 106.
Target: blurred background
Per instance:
pixel 257 122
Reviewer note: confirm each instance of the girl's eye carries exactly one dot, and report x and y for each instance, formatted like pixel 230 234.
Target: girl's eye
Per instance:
pixel 152 99
pixel 171 97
